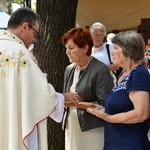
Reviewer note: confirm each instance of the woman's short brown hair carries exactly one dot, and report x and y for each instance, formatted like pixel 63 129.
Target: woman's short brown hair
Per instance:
pixel 80 37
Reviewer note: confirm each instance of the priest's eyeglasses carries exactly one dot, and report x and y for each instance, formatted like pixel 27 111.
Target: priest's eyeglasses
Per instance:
pixel 37 33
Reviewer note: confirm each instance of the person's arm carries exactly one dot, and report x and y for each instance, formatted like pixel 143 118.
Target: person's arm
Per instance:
pixel 83 105
pixel 71 98
pixel 96 110
pixel 140 100
pixel 113 67
pixel 58 111
pixel 69 104
pixel 148 134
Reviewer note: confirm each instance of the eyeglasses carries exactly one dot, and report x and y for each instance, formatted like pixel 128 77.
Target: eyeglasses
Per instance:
pixel 37 33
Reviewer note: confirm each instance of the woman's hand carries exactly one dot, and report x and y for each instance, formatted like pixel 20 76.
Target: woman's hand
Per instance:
pixel 98 111
pixel 69 104
pixel 148 135
pixel 71 99
pixel 83 105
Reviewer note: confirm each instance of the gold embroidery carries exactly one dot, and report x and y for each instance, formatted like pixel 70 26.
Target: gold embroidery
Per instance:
pixel 6 61
pixel 23 63
pixel 21 53
pixel 3 74
pixel 15 61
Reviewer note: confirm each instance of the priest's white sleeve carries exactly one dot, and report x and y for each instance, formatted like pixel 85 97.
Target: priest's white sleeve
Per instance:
pixel 58 112
pixel 56 115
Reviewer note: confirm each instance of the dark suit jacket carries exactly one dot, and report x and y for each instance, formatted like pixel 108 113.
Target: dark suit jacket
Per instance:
pixel 94 83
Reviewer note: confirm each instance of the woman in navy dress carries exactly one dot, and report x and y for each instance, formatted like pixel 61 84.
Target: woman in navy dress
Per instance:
pixel 127 106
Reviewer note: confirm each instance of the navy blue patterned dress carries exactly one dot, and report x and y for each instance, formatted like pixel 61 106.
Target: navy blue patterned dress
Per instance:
pixel 119 136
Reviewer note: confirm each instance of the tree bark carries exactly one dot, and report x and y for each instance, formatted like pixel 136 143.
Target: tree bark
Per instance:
pixel 57 17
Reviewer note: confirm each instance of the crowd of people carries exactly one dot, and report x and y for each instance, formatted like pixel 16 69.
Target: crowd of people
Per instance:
pixel 98 109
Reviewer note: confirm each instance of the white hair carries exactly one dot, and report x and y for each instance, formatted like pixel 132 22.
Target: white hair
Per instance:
pixel 98 25
pixel 110 36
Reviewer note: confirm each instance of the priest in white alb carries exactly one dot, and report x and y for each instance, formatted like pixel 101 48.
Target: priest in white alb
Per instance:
pixel 26 98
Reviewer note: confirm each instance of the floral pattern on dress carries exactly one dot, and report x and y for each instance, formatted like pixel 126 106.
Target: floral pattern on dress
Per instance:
pixel 23 63
pixel 11 36
pixel 5 61
pixel 16 60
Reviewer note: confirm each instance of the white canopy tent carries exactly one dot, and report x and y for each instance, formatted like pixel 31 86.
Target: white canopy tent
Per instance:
pixel 114 14
pixel 4 17
pixel 15 6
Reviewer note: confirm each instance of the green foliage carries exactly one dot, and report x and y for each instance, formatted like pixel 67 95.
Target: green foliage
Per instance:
pixel 9 4
pixel 18 1
pixel 9 7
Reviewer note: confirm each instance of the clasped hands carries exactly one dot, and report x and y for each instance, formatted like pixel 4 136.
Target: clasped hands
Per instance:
pixel 71 99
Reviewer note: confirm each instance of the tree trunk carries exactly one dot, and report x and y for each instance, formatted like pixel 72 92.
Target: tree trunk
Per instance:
pixel 57 17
